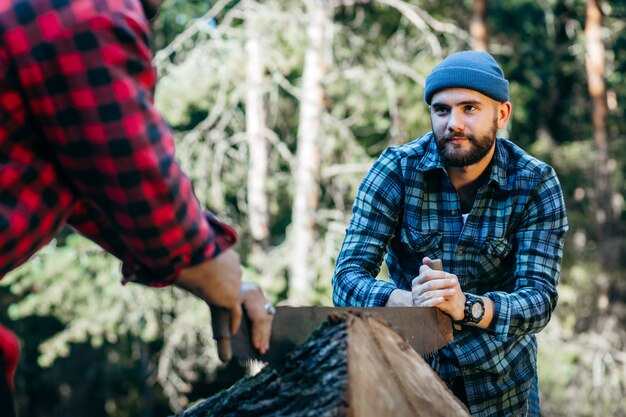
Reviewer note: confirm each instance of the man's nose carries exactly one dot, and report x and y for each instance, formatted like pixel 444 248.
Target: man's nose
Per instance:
pixel 456 121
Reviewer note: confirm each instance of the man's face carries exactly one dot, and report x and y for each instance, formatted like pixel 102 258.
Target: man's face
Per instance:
pixel 151 7
pixel 464 123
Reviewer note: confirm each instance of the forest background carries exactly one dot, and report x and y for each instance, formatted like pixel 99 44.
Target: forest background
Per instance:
pixel 279 109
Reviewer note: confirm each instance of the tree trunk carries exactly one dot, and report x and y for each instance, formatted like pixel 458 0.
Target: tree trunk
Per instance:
pixel 478 26
pixel 258 216
pixel 599 109
pixel 307 175
pixel 147 398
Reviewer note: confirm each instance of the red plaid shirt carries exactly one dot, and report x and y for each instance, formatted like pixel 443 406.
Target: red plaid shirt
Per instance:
pixel 81 142
pixel 9 355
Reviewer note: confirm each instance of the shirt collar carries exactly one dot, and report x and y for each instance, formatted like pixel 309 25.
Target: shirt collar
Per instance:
pixel 499 166
pixel 431 161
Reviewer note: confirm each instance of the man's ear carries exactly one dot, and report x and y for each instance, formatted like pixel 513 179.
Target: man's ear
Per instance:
pixel 504 113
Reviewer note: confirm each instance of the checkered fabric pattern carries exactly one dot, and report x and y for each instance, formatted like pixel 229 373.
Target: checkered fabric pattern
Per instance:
pixel 509 249
pixel 81 142
pixel 9 355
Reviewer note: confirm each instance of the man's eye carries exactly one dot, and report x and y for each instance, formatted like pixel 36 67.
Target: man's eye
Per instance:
pixel 470 108
pixel 441 110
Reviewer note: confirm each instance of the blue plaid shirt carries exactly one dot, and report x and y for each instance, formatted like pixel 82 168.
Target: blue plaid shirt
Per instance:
pixel 509 249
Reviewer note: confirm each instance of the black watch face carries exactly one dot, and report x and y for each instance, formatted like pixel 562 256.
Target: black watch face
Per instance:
pixel 477 310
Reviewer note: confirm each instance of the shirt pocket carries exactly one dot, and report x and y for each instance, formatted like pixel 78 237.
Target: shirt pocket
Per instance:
pixel 420 243
pixel 494 264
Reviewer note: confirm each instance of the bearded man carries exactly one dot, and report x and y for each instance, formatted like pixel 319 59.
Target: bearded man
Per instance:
pixel 491 212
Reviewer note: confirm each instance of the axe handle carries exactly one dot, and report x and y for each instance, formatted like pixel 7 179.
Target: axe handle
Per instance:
pixel 437 265
pixel 220 321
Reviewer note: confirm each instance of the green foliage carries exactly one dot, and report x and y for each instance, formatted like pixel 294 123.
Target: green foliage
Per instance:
pixel 582 374
pixel 79 285
pixel 556 371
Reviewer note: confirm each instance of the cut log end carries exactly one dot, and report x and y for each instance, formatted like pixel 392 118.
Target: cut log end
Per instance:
pixel 353 366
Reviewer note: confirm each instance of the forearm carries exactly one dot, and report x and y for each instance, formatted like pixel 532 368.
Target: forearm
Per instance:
pixel 358 264
pixel 217 281
pixel 138 266
pixel 527 308
pixel 399 298
pixel 373 224
pixel 360 290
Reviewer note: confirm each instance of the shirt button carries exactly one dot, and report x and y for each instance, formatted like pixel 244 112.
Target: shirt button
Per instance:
pixel 460 252
pixel 453 212
pixel 458 345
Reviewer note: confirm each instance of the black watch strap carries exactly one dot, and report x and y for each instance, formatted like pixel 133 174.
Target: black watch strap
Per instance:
pixel 474 309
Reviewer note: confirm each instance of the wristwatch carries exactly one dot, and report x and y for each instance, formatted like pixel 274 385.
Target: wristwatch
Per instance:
pixel 474 309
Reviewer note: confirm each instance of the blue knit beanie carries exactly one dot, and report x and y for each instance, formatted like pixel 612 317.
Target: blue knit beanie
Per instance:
pixel 475 70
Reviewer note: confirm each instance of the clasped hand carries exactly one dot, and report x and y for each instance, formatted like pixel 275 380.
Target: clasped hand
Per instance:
pixel 439 289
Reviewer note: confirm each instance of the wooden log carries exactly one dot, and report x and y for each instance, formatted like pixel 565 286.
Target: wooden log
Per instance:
pixel 388 378
pixel 351 366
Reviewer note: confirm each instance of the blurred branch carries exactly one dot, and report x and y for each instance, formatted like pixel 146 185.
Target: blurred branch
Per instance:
pixel 163 55
pixel 342 169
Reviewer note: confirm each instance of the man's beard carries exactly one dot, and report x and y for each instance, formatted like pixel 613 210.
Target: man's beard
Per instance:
pixel 453 157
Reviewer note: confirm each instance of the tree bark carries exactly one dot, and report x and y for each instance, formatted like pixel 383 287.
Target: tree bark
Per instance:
pixel 308 159
pixel 594 60
pixel 478 26
pixel 258 215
